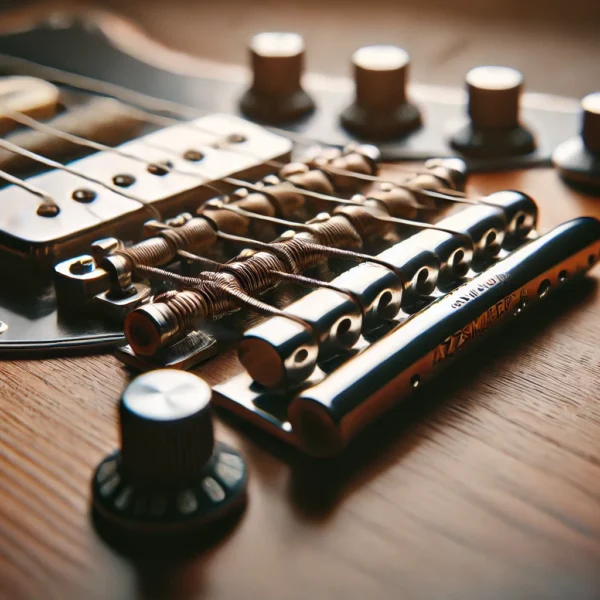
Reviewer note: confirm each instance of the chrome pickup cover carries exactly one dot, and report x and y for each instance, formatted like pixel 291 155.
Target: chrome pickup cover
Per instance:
pixel 47 240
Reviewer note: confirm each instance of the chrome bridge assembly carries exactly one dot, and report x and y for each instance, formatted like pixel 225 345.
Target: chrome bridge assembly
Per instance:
pixel 343 287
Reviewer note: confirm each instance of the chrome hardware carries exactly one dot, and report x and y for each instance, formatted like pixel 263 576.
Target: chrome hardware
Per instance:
pixel 323 413
pixel 117 306
pixel 46 241
pixel 78 280
pixel 104 247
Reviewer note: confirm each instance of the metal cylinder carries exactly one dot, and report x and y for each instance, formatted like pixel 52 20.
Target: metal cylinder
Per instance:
pixel 520 212
pixel 454 252
pixel 418 268
pixel 280 352
pixel 336 319
pixel 486 226
pixel 379 291
pixel 326 416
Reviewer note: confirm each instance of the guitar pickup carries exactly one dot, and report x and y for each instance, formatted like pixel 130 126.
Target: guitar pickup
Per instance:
pixel 108 193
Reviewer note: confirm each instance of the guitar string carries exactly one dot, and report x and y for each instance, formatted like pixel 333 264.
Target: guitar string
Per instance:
pixel 312 282
pixel 299 279
pixel 293 277
pixel 302 226
pixel 34 124
pixel 130 95
pixel 119 92
pixel 150 103
pixel 83 141
pixel 48 205
pixel 78 140
pixel 6 145
pixel 28 121
pixel 443 194
pixel 206 282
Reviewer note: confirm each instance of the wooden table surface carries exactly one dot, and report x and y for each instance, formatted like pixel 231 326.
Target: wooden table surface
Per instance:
pixel 486 487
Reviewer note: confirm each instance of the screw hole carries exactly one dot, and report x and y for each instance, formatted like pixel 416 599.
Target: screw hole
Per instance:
pixel 562 276
pixel 342 332
pixel 301 355
pixel 519 224
pixel 459 268
pixel 415 381
pixel 384 300
pixel 544 288
pixel 456 259
pixel 344 327
pixel 82 266
pixel 386 309
pixel 422 277
pixel 591 260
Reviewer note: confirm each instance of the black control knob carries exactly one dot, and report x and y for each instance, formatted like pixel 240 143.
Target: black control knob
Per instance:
pixel 381 110
pixel 493 129
pixel 276 95
pixel 578 159
pixel 170 476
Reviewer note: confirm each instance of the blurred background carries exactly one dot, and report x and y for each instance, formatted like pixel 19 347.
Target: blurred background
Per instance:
pixel 555 43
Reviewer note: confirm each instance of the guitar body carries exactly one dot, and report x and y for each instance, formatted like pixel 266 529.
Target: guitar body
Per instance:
pixel 487 485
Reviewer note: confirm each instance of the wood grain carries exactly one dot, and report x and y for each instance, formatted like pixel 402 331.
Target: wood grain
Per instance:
pixel 445 39
pixel 487 486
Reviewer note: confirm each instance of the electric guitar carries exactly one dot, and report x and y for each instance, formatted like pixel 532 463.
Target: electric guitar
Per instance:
pixel 315 262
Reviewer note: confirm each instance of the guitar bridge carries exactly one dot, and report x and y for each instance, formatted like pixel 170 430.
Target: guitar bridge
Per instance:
pixel 344 287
